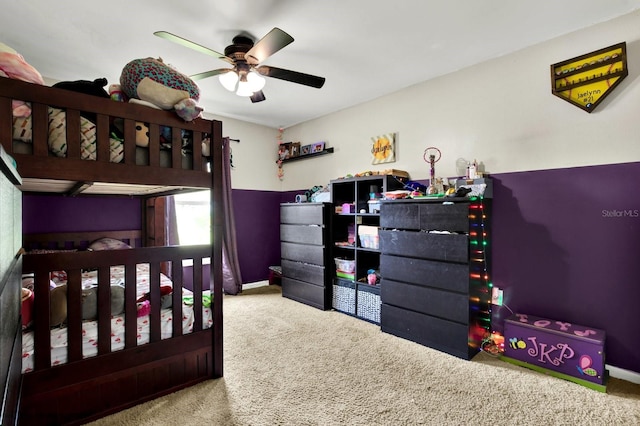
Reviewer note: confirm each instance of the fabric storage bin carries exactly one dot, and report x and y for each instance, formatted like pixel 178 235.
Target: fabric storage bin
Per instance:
pixel 344 296
pixel 368 302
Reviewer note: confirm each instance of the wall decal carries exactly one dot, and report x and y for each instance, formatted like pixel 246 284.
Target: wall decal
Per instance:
pixel 586 80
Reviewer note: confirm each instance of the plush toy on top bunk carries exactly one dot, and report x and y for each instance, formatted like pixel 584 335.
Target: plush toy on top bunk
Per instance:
pixel 153 83
pixel 13 65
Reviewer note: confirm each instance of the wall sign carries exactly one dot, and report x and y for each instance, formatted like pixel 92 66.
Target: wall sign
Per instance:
pixel 383 149
pixel 586 80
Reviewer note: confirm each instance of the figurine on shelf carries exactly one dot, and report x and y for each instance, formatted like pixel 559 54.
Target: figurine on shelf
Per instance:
pixel 372 278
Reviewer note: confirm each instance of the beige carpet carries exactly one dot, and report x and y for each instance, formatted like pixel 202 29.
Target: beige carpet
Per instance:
pixel 289 364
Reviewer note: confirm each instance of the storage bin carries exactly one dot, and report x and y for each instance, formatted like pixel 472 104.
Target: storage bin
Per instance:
pixel 369 236
pixel 345 265
pixel 368 302
pixel 344 296
pixel 561 349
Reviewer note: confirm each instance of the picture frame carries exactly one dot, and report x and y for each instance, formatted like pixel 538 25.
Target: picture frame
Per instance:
pixel 305 149
pixel 383 148
pixel 294 150
pixel 284 150
pixel 317 147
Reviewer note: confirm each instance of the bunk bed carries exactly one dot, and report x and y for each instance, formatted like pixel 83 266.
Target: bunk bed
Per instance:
pixel 80 385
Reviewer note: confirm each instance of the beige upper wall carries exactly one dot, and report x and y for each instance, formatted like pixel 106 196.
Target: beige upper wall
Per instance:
pixel 254 156
pixel 501 113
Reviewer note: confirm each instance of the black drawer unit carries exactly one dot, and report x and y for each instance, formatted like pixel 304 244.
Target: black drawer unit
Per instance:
pixel 305 253
pixel 435 268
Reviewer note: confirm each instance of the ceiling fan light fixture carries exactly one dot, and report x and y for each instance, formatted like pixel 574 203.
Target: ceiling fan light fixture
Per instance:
pixel 229 80
pixel 256 81
pixel 244 89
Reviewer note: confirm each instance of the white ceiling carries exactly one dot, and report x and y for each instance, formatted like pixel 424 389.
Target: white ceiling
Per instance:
pixel 364 48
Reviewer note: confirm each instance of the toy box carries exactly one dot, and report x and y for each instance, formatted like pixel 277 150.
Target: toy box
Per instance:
pixel 558 348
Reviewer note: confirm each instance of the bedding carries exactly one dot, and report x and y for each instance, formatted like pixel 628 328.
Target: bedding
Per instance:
pixel 90 328
pixel 57 137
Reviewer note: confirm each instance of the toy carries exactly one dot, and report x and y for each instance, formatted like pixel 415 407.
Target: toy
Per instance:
pixel 143 308
pixel 13 65
pixel 188 110
pixel 153 83
pixel 116 93
pixel 94 88
pixel 142 134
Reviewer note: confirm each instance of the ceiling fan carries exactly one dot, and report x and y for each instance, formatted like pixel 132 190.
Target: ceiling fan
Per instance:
pixel 246 76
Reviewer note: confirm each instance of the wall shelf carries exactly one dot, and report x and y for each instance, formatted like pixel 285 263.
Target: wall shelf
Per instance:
pixel 311 155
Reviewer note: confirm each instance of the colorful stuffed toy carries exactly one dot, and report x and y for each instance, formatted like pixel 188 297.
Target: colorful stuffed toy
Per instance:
pixel 153 83
pixel 13 65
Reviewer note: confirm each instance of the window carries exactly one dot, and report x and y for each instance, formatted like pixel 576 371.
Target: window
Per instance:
pixel 193 214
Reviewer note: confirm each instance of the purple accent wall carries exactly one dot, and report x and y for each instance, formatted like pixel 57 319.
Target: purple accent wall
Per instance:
pixel 53 213
pixel 565 243
pixel 257 215
pixel 566 246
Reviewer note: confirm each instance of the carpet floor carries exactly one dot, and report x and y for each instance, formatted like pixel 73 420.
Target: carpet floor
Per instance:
pixel 286 363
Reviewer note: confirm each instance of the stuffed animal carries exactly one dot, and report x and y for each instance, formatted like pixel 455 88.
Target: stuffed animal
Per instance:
pixel 94 88
pixel 153 83
pixel 90 301
pixel 116 93
pixel 142 134
pixel 13 65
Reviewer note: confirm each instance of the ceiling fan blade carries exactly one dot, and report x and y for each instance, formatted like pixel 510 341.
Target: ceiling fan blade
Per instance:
pixel 191 45
pixel 292 76
pixel 211 73
pixel 275 40
pixel 257 96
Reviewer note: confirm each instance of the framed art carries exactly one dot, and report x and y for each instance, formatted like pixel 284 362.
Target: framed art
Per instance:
pixel 317 147
pixel 383 148
pixel 306 149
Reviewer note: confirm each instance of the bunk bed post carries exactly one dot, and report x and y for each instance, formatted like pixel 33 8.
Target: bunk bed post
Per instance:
pixel 217 224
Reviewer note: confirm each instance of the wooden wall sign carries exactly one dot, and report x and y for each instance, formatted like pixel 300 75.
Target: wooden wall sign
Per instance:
pixel 586 80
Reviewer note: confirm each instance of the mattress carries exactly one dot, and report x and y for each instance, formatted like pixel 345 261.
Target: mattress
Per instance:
pixel 59 339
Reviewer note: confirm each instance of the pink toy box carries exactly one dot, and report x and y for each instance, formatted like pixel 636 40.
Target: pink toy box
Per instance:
pixel 569 351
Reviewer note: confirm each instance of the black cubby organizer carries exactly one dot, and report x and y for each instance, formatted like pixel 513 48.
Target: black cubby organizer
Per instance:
pixel 355 296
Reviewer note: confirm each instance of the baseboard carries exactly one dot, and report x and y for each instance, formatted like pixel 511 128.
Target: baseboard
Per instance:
pixel 621 373
pixel 255 284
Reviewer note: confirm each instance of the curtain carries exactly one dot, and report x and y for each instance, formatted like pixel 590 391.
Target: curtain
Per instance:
pixel 231 277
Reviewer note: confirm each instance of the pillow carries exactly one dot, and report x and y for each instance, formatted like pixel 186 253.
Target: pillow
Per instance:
pixel 107 243
pixel 58 135
pixel 58 306
pixel 90 302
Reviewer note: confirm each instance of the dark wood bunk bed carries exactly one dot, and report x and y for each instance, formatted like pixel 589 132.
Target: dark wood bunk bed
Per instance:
pixel 84 387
